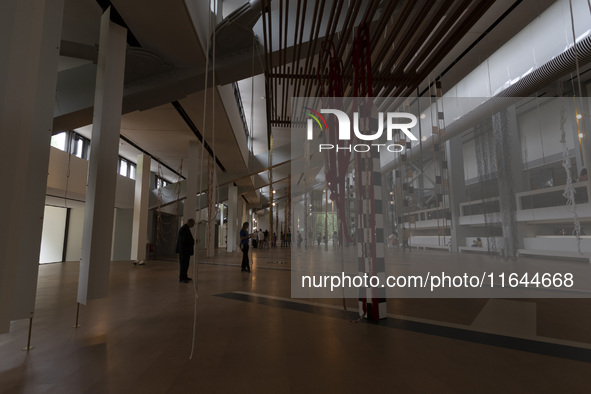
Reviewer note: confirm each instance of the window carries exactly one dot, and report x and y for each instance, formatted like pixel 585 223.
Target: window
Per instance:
pixel 160 182
pixel 79 146
pixel 126 168
pixel 122 167
pixel 59 140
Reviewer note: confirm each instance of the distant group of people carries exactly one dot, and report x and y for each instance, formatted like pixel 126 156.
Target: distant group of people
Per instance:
pixel 263 239
pixel 394 242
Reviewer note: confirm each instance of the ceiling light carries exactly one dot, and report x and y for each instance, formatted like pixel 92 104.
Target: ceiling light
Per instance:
pixel 579 116
pixel 581 135
pixel 423 116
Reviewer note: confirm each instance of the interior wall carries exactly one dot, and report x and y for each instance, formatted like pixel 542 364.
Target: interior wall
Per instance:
pixel 75 228
pixel 540 132
pixel 122 229
pixel 52 237
pixel 61 163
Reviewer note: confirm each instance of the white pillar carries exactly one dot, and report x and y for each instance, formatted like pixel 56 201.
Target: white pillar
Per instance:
pixel 139 235
pixel 102 169
pixel 31 32
pixel 232 210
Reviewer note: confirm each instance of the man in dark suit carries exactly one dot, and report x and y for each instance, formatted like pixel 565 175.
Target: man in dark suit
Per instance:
pixel 184 248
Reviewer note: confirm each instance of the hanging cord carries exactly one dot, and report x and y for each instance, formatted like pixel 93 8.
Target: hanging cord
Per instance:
pixel 212 197
pixel 528 169
pixel 569 192
pixel 575 48
pixel 195 280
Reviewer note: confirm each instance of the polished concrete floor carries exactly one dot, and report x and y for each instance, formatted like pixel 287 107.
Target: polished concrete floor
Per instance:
pixel 251 337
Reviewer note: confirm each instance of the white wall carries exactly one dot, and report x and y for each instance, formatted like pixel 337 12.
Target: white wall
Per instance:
pixel 469 154
pixel 57 175
pixel 122 229
pixel 52 238
pixel 61 163
pixel 540 130
pixel 75 228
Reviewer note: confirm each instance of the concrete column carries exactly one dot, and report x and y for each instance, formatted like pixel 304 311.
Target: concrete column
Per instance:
pixel 503 124
pixel 139 235
pixel 232 210
pixel 102 170
pixel 244 213
pixel 521 181
pixel 30 31
pixel 457 191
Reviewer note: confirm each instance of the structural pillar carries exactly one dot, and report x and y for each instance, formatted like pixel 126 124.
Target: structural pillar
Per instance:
pixel 521 181
pixel 31 32
pixel 232 210
pixel 457 191
pixel 97 236
pixel 139 235
pixel 505 176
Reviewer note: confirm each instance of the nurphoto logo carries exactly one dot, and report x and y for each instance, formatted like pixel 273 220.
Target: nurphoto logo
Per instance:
pixel 392 120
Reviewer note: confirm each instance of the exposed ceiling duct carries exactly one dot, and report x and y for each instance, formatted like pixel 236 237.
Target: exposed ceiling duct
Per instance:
pixel 553 70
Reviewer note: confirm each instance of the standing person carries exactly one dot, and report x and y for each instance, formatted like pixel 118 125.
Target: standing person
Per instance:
pixel 274 239
pixel 299 239
pixel 318 239
pixel 244 237
pixel 288 238
pixel 261 238
pixel 266 241
pixel 405 238
pixel 335 239
pixel 184 247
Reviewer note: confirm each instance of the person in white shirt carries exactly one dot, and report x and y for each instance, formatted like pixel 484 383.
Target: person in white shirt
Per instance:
pixel 261 238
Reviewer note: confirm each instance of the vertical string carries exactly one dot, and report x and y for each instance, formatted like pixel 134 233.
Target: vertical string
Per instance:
pixel 200 186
